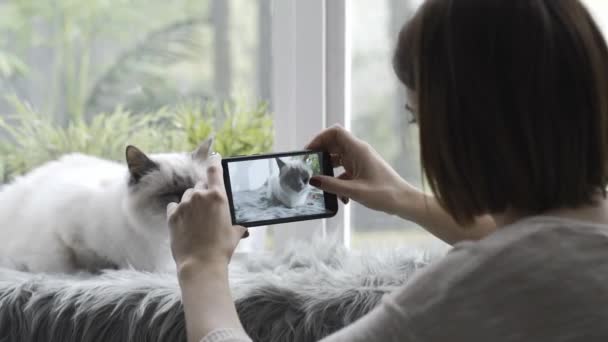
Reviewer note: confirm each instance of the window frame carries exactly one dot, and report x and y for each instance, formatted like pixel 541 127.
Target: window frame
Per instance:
pixel 311 69
pixel 311 89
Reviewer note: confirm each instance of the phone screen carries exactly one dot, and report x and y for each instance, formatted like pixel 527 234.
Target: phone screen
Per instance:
pixel 274 188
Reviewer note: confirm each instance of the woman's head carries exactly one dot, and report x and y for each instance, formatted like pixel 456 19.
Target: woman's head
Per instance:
pixel 512 103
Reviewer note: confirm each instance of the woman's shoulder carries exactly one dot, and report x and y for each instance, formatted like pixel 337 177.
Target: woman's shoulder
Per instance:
pixel 542 236
pixel 533 253
pixel 538 267
pixel 558 244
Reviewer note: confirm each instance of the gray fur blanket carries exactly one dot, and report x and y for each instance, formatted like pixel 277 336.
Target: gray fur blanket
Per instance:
pixel 301 294
pixel 254 205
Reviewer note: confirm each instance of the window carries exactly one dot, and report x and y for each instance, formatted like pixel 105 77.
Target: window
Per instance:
pixel 166 69
pixel 378 116
pixel 93 76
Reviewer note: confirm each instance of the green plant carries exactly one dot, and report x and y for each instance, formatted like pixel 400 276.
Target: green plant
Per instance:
pixel 33 138
pixel 11 66
pixel 245 130
pixel 70 30
pixel 143 90
pixel 315 163
pixel 239 128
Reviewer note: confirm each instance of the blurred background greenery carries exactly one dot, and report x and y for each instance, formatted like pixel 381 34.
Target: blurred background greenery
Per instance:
pixel 93 76
pixel 32 138
pixel 315 163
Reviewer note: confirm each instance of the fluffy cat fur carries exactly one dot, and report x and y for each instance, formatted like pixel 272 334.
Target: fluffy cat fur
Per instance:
pixel 290 187
pixel 81 213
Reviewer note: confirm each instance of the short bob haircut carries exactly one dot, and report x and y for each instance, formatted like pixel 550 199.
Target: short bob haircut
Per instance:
pixel 512 99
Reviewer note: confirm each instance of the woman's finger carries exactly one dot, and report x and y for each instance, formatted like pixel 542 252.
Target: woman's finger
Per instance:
pixel 187 195
pixel 336 159
pixel 334 185
pixel 215 177
pixel 332 140
pixel 200 185
pixel 242 231
pixel 345 176
pixel 171 207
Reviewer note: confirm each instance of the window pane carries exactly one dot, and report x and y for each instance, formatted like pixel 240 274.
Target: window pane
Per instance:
pixel 378 116
pixel 599 10
pixel 93 76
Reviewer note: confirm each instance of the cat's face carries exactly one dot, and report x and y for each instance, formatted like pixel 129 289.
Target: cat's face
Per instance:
pixel 159 179
pixel 294 175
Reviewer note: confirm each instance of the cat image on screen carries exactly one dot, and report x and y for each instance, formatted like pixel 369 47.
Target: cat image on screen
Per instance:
pixel 290 187
pixel 81 213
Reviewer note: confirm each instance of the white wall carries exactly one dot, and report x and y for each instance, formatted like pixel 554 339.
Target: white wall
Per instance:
pixel 250 175
pixel 599 9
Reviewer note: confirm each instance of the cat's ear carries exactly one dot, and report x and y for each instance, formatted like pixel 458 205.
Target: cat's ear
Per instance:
pixel 139 164
pixel 203 151
pixel 280 163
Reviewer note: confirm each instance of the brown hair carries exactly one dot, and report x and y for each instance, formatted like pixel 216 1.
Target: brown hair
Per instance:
pixel 512 103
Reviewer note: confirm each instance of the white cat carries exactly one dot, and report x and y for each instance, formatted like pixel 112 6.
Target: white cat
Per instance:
pixel 81 213
pixel 290 187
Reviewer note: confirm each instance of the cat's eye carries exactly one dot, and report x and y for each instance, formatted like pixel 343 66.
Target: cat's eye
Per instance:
pixel 172 197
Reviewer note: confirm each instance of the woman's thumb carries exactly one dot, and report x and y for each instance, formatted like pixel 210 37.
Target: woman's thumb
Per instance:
pixel 333 185
pixel 242 231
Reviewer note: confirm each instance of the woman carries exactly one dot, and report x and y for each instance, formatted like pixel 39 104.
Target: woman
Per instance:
pixel 512 101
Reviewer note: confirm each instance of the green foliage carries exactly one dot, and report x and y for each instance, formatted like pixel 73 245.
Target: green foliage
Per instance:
pixel 315 163
pixel 71 29
pixel 142 90
pixel 34 138
pixel 244 131
pixel 11 66
pixel 195 122
pixel 239 129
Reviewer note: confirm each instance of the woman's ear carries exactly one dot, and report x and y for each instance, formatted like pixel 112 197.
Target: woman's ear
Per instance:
pixel 412 99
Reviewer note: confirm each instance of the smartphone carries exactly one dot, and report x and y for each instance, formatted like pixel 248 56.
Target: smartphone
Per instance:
pixel 268 189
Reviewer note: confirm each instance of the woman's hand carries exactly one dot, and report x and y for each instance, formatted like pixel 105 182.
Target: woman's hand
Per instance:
pixel 367 179
pixel 203 240
pixel 200 226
